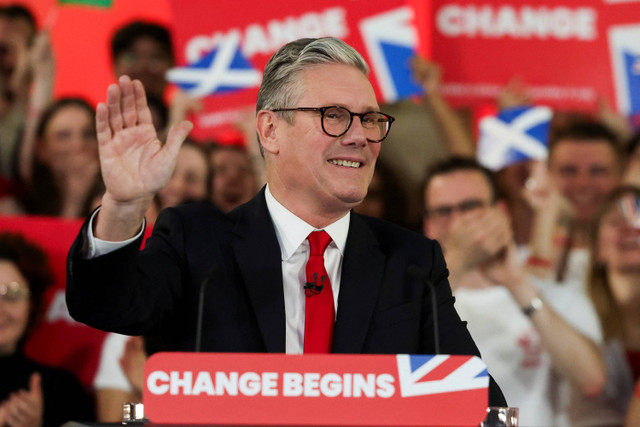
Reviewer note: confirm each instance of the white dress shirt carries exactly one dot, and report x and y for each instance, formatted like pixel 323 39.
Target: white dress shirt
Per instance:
pixel 292 233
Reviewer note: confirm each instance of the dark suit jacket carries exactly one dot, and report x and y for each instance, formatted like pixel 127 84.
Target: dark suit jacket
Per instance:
pixel 381 308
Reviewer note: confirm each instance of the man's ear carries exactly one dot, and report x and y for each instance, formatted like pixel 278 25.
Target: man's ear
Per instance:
pixel 267 127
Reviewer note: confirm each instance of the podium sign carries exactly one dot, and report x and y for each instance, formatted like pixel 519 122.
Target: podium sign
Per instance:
pixel 346 390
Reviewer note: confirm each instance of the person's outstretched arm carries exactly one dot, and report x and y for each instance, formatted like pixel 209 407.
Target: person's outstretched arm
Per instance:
pixel 135 164
pixel 428 75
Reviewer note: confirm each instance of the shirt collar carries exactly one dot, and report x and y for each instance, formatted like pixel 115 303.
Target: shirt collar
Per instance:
pixel 292 231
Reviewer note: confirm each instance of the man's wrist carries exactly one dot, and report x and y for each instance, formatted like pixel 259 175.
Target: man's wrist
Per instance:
pixel 96 247
pixel 120 221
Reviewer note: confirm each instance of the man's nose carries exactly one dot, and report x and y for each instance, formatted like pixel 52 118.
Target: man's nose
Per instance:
pixel 583 179
pixel 77 143
pixel 455 214
pixel 356 133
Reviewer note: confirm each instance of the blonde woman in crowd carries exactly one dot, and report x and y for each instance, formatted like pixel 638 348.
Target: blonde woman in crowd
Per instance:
pixel 612 284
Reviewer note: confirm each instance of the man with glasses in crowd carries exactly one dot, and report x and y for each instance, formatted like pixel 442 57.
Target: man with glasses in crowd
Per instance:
pixel 463 214
pixel 266 281
pixel 528 330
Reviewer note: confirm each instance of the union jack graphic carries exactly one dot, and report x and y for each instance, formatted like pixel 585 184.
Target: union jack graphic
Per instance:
pixel 391 40
pixel 421 375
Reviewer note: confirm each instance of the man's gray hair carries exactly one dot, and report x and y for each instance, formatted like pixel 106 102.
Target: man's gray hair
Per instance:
pixel 281 86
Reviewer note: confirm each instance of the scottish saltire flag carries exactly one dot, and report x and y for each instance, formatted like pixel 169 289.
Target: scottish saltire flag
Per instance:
pixel 391 41
pixel 514 135
pixel 421 375
pixel 222 70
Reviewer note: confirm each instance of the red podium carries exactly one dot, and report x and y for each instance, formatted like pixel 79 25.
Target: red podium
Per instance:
pixel 328 390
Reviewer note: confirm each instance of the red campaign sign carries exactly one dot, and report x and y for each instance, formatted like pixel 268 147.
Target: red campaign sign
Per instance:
pixel 345 390
pixel 372 27
pixel 58 340
pixel 567 51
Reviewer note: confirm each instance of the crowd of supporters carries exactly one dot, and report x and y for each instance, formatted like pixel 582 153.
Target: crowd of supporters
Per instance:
pixel 543 255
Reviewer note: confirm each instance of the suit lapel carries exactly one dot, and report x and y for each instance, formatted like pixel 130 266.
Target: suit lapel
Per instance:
pixel 362 271
pixel 258 255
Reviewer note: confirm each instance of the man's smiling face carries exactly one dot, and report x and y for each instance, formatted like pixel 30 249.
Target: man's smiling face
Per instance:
pixel 585 173
pixel 314 170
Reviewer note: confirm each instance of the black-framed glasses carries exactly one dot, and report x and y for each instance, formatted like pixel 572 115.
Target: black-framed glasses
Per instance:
pixel 336 121
pixel 445 211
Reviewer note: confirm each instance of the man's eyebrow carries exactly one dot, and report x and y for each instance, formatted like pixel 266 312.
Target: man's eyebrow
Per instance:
pixel 364 110
pixel 371 108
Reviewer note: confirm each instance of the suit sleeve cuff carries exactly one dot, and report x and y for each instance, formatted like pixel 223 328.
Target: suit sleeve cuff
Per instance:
pixel 97 247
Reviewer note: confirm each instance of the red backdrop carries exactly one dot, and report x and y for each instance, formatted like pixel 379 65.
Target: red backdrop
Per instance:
pixel 81 39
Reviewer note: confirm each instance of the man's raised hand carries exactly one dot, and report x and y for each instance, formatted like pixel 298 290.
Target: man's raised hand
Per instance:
pixel 135 164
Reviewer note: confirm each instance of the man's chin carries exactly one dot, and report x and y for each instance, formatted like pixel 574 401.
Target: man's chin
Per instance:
pixel 351 201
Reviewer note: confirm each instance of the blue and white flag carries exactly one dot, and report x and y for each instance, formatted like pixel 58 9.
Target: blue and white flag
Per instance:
pixel 222 70
pixel 632 68
pixel 391 41
pixel 624 47
pixel 514 135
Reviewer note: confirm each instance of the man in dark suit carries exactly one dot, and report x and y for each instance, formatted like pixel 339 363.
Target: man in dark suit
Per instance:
pixel 320 129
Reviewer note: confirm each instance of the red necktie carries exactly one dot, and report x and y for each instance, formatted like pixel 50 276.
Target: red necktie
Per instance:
pixel 319 314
